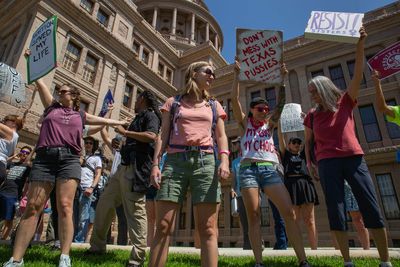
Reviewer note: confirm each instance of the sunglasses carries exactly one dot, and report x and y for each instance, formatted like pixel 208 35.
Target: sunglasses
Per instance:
pixel 63 92
pixel 262 109
pixel 209 72
pixel 296 142
pixel 88 143
pixel 25 152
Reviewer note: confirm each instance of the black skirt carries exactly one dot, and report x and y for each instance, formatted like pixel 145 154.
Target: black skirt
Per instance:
pixel 301 190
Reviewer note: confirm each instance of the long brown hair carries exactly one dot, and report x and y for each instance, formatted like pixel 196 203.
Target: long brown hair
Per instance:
pixel 190 83
pixel 15 118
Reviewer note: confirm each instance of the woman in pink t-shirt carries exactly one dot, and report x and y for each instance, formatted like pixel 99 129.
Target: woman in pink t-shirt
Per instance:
pixel 259 168
pixel 340 156
pixel 187 137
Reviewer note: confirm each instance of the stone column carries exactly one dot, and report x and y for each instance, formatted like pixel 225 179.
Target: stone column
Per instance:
pixel 207 31
pixel 192 28
pixel 216 41
pixel 155 15
pixel 174 16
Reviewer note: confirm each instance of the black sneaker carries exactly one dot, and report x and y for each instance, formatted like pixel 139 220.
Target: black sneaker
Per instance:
pixel 304 264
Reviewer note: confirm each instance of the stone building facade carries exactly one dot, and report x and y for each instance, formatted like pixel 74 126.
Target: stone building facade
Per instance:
pixel 129 46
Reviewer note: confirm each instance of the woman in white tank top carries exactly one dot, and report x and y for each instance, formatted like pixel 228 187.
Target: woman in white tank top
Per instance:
pixel 258 169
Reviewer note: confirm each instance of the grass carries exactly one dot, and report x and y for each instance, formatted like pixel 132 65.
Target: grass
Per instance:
pixel 41 256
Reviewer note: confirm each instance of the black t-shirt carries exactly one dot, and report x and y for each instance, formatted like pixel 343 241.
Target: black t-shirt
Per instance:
pixel 16 178
pixel 140 154
pixel 294 164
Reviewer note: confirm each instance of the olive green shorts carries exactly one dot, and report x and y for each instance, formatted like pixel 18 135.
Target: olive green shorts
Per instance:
pixel 194 170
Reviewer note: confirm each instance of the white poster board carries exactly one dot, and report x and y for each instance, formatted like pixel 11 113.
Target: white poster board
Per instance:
pixel 291 120
pixel 259 53
pixel 12 87
pixel 43 56
pixel 334 26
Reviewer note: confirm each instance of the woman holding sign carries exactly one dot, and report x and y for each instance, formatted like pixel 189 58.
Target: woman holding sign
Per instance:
pixel 56 165
pixel 340 156
pixel 258 169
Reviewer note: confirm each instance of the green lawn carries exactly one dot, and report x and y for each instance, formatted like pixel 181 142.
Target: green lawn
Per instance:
pixel 41 256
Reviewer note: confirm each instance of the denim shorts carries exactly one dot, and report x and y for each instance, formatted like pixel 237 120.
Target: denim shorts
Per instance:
pixel 259 175
pixel 194 170
pixel 7 207
pixel 52 163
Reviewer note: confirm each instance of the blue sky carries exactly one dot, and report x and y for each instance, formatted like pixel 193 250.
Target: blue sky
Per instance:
pixel 290 16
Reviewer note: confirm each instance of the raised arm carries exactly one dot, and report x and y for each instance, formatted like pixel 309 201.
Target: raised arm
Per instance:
pixel 354 88
pixel 106 138
pixel 282 143
pixel 236 107
pixel 380 99
pixel 281 100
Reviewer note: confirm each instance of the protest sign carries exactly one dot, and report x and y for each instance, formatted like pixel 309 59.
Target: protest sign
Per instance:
pixel 43 56
pixel 291 120
pixel 259 53
pixel 387 61
pixel 334 26
pixel 108 99
pixel 12 87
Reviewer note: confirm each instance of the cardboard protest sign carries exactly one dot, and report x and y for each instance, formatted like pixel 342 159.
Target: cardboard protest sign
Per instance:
pixel 387 61
pixel 43 56
pixel 259 53
pixel 291 120
pixel 334 26
pixel 108 99
pixel 12 87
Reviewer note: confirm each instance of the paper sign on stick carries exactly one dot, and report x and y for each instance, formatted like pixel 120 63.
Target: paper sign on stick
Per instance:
pixel 12 87
pixel 43 56
pixel 334 26
pixel 259 53
pixel 108 99
pixel 291 120
pixel 387 61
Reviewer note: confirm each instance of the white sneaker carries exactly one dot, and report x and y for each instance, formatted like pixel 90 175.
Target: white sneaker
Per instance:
pixel 65 261
pixel 11 263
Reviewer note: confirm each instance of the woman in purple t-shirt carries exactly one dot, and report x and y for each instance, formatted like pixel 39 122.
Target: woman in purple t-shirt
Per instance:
pixel 56 164
pixel 339 156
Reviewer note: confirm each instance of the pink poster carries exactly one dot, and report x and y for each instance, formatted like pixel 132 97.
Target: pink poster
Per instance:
pixel 387 61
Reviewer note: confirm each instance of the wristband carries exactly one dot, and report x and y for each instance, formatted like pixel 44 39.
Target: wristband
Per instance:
pixel 154 165
pixel 227 152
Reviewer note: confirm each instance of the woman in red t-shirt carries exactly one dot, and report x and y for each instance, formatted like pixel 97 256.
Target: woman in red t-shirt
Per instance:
pixel 340 156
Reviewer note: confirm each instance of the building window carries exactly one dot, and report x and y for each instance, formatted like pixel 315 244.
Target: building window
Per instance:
pixel 393 129
pixel 264 211
pixel 160 69
pixel 169 76
pixel 128 94
pixel 102 17
pixel 337 76
pixel 71 57
pixel 84 106
pixel 229 112
pixel 350 67
pixel 317 73
pixel 136 47
pixel 145 57
pixel 255 94
pixel 89 69
pixel 370 124
pixel 388 196
pixel 270 96
pixel 87 5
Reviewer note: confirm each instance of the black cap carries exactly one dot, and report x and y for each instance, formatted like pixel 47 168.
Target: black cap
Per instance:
pixel 237 139
pixel 258 100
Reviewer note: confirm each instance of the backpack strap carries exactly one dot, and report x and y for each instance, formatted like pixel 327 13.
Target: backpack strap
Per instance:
pixel 174 107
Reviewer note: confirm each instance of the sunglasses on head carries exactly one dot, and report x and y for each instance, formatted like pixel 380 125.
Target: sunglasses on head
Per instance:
pixel 262 109
pixel 209 72
pixel 25 152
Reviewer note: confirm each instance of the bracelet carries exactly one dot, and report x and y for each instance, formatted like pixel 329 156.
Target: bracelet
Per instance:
pixel 154 165
pixel 227 152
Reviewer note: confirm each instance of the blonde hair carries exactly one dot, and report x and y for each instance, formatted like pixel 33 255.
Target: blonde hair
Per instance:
pixel 328 92
pixel 190 83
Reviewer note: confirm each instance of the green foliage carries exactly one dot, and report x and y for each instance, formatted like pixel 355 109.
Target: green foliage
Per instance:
pixel 42 256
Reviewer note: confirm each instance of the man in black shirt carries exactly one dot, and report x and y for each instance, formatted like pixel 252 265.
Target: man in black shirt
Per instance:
pixel 11 189
pixel 131 181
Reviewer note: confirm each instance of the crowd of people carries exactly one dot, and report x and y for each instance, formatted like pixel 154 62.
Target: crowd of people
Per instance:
pixel 163 153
